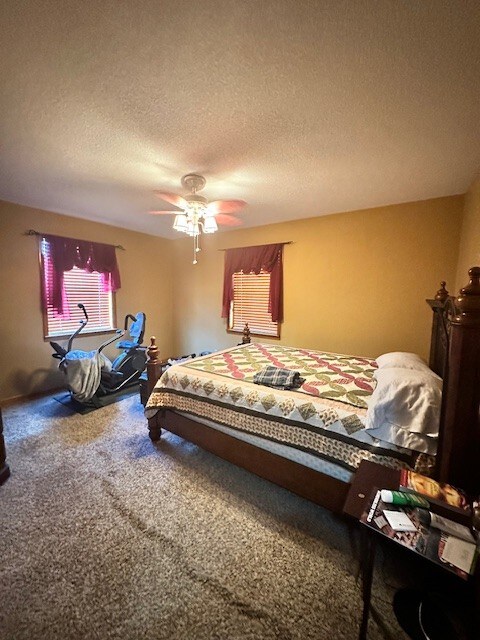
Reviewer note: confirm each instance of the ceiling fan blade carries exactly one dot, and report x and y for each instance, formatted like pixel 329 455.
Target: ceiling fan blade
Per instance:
pixel 225 206
pixel 172 198
pixel 229 221
pixel 160 213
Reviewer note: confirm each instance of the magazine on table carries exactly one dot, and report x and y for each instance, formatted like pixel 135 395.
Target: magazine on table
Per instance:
pixel 441 540
pixel 439 493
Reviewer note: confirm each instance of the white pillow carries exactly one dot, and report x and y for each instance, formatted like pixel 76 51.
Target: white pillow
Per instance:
pixel 404 408
pixel 401 360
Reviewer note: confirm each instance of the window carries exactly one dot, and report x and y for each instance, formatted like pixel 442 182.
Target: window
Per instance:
pixel 79 286
pixel 251 294
pixel 253 289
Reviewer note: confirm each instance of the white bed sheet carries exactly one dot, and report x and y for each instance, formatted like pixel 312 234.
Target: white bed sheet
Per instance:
pixel 296 455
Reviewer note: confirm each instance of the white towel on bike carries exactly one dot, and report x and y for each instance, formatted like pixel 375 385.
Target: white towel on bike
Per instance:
pixel 84 371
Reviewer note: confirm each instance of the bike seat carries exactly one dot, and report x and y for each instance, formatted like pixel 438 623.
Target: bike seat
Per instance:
pixel 136 331
pixel 126 344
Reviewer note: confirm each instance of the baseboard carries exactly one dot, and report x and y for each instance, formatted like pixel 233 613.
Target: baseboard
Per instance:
pixel 6 402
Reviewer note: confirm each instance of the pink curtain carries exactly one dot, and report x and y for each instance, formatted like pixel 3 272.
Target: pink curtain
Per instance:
pixel 66 253
pixel 267 257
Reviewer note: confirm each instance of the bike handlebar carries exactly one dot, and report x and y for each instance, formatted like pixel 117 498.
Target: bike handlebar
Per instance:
pixel 118 334
pixel 127 318
pixel 82 307
pixel 83 323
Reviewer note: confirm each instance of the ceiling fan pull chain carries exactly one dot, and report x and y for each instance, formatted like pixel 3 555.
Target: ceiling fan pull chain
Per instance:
pixel 196 247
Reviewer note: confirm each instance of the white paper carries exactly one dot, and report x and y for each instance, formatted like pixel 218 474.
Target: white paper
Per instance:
pixel 459 553
pixel 399 521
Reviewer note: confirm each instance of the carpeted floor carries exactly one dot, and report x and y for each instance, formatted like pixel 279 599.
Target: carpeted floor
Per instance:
pixel 105 535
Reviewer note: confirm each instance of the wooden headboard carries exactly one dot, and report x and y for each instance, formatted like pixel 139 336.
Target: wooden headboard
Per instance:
pixel 444 310
pixel 455 355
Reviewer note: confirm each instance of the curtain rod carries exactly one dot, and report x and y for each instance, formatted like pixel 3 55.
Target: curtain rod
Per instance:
pixel 256 245
pixel 32 232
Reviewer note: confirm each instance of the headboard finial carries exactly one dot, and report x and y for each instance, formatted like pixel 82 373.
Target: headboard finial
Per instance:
pixel 468 300
pixel 246 334
pixel 442 293
pixel 152 351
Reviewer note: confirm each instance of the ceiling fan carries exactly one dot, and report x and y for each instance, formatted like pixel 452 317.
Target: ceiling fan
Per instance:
pixel 199 215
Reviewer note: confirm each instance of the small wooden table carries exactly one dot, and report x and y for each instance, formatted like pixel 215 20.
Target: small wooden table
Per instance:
pixel 368 478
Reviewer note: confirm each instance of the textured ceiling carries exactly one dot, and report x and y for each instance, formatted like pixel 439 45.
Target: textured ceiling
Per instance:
pixel 301 108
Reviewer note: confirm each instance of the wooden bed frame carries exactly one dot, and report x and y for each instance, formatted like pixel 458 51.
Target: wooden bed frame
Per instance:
pixel 454 354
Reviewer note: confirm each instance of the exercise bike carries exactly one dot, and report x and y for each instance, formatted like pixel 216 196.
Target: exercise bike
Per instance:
pixel 90 374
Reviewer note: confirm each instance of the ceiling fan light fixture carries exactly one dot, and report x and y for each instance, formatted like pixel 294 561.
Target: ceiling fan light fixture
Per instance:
pixel 180 222
pixel 192 228
pixel 210 225
pixel 197 214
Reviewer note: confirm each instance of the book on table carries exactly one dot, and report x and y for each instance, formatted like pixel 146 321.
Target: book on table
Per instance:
pixel 439 493
pixel 439 539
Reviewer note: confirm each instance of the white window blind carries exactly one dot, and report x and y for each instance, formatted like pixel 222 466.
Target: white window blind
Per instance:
pixel 80 287
pixel 250 304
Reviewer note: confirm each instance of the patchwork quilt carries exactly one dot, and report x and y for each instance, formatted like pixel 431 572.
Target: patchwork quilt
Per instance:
pixel 325 416
pixel 347 379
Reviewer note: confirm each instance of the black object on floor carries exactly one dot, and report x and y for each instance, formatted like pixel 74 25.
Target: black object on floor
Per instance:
pixel 427 616
pixel 4 468
pixel 97 403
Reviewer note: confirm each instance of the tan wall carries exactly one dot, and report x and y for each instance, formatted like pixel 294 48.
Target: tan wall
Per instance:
pixel 469 252
pixel 26 365
pixel 353 282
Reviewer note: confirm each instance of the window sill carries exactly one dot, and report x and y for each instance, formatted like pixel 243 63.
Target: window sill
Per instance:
pixel 83 334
